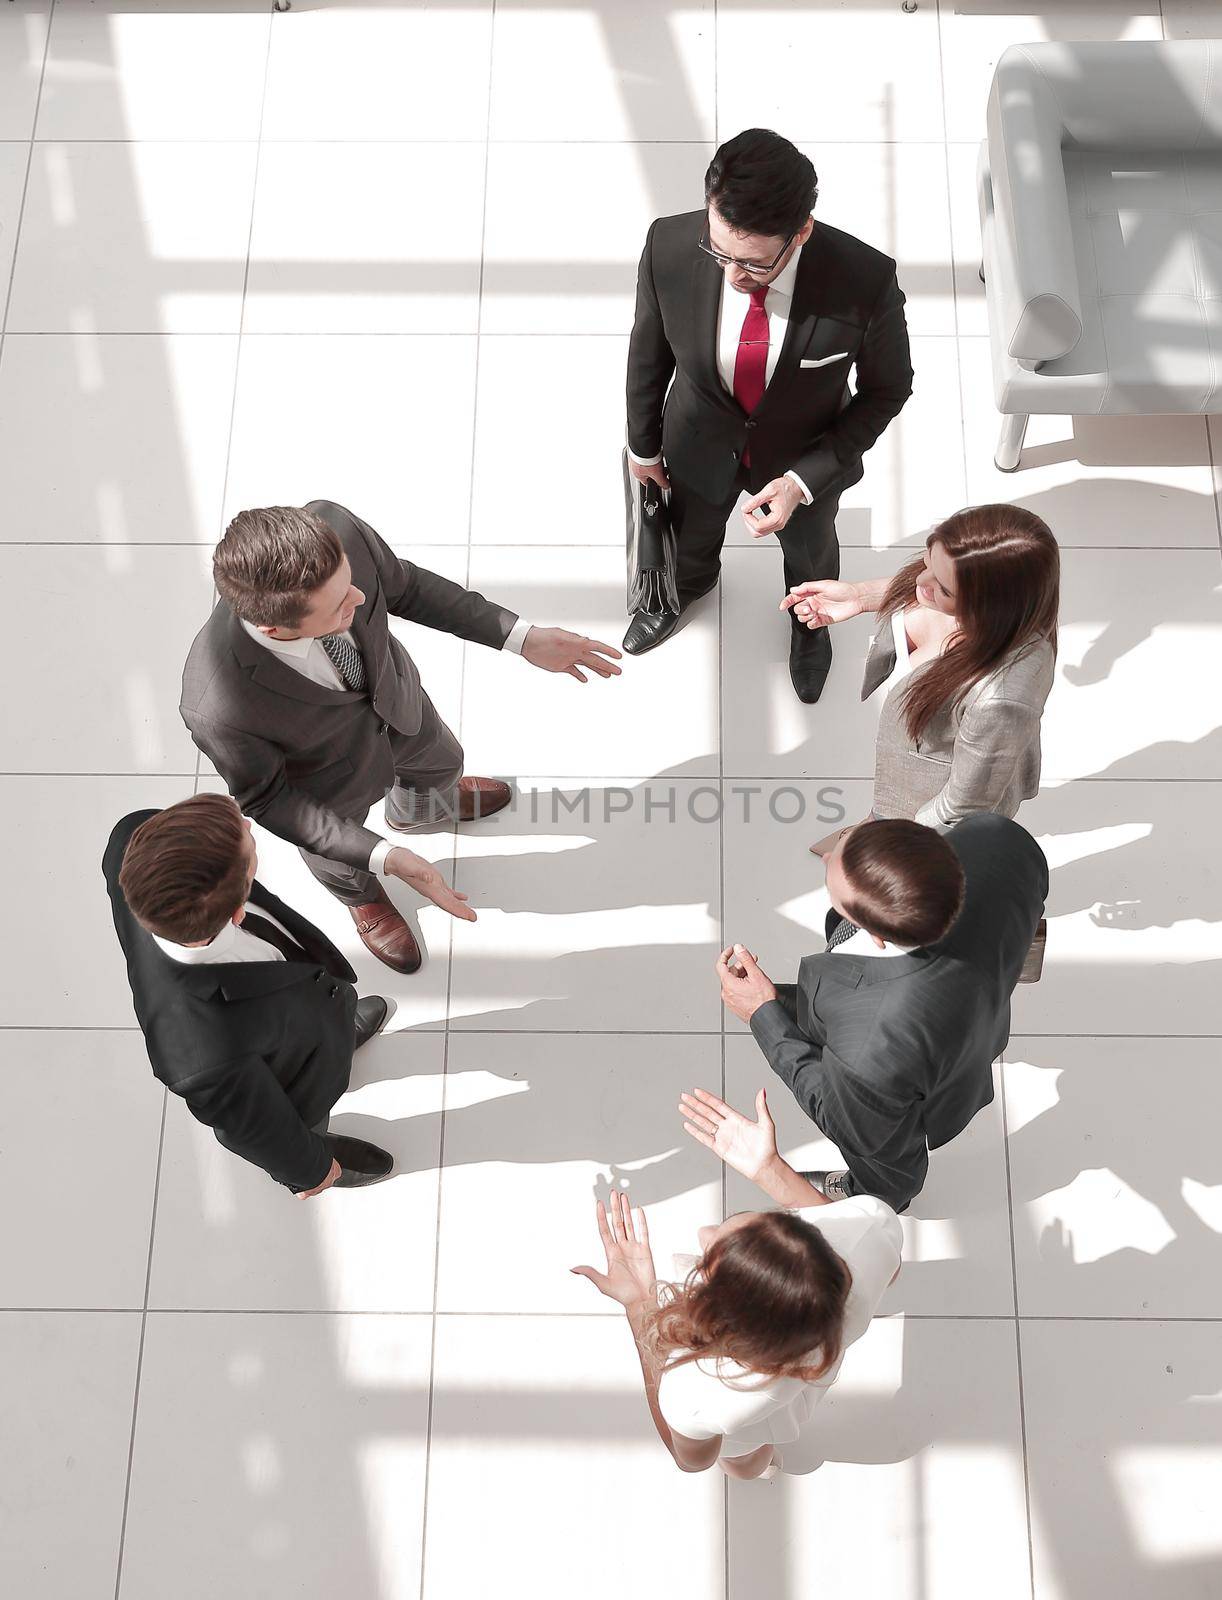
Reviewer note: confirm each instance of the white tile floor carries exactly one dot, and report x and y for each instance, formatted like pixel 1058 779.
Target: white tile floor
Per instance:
pixel 383 251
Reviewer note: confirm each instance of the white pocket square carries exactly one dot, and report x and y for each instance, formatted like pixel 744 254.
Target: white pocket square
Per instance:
pixel 822 361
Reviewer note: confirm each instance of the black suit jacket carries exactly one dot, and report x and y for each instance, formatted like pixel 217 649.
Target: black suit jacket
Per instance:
pixel 302 759
pixel 846 303
pixel 892 1055
pixel 259 1050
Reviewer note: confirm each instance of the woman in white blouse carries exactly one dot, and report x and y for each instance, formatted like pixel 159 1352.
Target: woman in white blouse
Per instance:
pixel 737 1356
pixel 962 661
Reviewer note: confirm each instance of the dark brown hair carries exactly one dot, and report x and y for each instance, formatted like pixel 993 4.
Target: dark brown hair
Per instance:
pixel 271 561
pixel 770 1296
pixel 1007 594
pixel 184 870
pixel 905 882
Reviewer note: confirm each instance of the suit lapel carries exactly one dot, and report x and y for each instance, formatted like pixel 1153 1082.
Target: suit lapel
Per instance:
pixel 276 676
pixel 706 301
pixel 314 942
pixel 801 324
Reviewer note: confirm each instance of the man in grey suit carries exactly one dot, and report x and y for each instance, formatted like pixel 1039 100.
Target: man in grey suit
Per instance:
pixel 311 710
pixel 888 1038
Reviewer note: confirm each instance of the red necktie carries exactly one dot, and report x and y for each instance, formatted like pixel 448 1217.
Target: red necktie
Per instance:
pixel 751 363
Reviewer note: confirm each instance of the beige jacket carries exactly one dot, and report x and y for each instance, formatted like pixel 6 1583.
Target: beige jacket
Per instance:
pixel 982 756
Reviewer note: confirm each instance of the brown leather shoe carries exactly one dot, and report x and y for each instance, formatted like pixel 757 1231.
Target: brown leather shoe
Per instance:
pixel 385 934
pixel 480 797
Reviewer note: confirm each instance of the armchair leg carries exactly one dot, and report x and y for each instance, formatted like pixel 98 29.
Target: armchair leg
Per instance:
pixel 1010 444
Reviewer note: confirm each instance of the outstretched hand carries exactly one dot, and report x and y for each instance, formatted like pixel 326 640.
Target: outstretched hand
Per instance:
pixel 425 879
pixel 749 1147
pixel 630 1277
pixel 558 650
pixel 823 603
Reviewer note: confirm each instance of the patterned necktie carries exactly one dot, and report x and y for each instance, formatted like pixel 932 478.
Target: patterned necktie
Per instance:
pixel 841 933
pixel 346 659
pixel 751 363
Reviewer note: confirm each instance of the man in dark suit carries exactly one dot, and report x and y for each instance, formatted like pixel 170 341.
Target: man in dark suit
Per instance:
pixel 888 1038
pixel 249 1014
pixel 750 316
pixel 311 710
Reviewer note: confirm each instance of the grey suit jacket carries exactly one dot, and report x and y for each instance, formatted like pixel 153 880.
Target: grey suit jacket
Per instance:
pixel 984 755
pixel 892 1055
pixel 303 759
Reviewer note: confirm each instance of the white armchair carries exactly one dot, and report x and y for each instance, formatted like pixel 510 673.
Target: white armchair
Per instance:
pixel 1100 191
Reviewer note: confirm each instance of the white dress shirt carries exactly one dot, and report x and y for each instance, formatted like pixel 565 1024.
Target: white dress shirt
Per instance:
pixel 308 657
pixel 731 314
pixel 232 943
pixel 862 944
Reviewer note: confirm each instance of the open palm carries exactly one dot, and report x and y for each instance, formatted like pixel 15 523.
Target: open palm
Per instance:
pixel 742 1144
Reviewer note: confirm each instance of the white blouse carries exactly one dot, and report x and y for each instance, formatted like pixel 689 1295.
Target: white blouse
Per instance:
pixel 703 1399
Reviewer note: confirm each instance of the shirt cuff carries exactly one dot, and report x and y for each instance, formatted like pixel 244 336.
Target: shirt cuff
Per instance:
pixel 645 461
pixel 807 497
pixel 377 857
pixel 517 636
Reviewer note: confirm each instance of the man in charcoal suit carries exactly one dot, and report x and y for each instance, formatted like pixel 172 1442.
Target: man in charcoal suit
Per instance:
pixel 312 711
pixel 750 317
pixel 888 1038
pixel 249 1013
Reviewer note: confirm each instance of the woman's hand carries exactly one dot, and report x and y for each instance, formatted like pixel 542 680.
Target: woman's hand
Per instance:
pixel 820 604
pixel 749 1147
pixel 629 1277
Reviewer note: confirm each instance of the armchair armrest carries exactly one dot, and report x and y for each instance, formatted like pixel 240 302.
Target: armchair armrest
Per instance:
pixel 1038 298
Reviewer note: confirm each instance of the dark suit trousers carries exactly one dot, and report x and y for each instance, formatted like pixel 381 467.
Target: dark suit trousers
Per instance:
pixel 428 766
pixel 808 541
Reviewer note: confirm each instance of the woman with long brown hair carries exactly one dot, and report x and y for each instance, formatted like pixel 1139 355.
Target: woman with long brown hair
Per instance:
pixel 964 659
pixel 736 1356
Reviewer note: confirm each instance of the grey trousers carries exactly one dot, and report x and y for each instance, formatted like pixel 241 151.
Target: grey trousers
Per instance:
pixel 428 766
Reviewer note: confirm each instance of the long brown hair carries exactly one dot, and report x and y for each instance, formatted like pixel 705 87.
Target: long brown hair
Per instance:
pixel 770 1296
pixel 1007 583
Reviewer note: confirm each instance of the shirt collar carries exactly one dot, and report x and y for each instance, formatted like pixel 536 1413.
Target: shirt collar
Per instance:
pixel 213 953
pixel 299 648
pixel 784 281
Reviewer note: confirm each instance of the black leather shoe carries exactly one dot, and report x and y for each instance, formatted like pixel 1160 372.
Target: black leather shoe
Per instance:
pixel 810 658
pixel 361 1161
pixel 372 1015
pixel 648 629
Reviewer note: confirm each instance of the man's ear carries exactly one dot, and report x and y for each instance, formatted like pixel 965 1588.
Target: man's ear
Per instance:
pixel 805 231
pixel 881 943
pixel 239 916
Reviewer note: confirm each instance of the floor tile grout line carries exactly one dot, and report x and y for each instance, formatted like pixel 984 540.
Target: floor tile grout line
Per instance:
pixel 144 1314
pixel 241 328
pixel 25 184
pixel 1018 1343
pixel 462 689
pixel 954 280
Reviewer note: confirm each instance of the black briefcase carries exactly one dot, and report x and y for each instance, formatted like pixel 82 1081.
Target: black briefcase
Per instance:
pixel 652 547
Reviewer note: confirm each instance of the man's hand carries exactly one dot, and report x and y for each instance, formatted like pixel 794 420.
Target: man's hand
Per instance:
pixel 425 879
pixel 744 988
pixel 749 1147
pixel 654 474
pixel 558 650
pixel 783 498
pixel 307 1194
pixel 630 1277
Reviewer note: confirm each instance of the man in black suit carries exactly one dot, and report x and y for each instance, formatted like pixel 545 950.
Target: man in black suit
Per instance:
pixel 889 1037
pixel 750 315
pixel 249 1013
pixel 311 710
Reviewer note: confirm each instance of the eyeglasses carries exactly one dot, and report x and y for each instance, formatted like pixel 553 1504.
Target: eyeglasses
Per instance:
pixel 755 268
